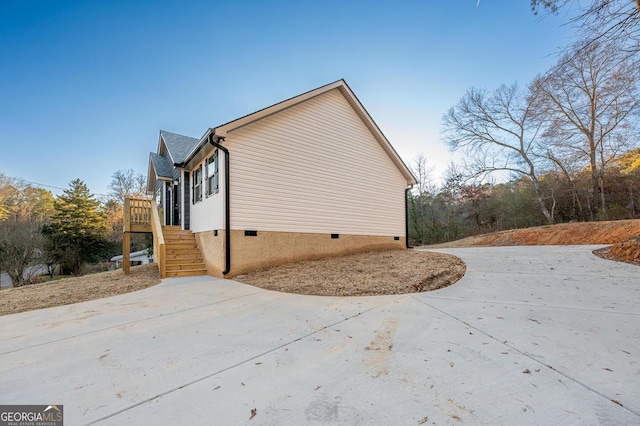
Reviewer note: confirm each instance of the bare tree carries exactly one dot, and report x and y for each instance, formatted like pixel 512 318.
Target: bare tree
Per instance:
pixel 602 22
pixel 569 167
pixel 586 104
pixel 420 199
pixel 20 243
pixel 420 169
pixel 125 183
pixel 497 133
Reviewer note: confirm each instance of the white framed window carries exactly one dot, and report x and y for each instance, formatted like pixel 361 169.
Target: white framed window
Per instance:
pixel 197 184
pixel 211 174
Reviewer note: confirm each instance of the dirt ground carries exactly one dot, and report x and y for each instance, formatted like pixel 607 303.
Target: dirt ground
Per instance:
pixel 393 272
pixel 581 233
pixel 77 289
pixel 627 250
pixel 387 272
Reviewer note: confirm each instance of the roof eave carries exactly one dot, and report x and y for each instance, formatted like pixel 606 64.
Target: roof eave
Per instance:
pixel 353 100
pixel 186 163
pixel 151 176
pixel 166 147
pixel 375 130
pixel 224 129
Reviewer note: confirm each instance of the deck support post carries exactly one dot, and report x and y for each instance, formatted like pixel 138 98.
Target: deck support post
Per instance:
pixel 126 253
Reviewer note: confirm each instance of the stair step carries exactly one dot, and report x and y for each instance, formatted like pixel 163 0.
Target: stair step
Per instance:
pixel 182 252
pixel 198 262
pixel 181 248
pixel 194 257
pixel 183 257
pixel 179 238
pixel 181 245
pixel 188 251
pixel 186 267
pixel 187 273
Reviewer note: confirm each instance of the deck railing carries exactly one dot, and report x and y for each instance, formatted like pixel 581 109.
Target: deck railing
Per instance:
pixel 142 215
pixel 159 248
pixel 137 214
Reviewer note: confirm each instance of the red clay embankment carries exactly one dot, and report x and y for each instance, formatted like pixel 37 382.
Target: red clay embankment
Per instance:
pixel 624 235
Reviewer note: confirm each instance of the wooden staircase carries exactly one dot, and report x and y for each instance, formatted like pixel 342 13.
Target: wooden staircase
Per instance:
pixel 174 250
pixel 182 255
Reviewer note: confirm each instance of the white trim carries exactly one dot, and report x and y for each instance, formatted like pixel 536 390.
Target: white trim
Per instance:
pixel 182 204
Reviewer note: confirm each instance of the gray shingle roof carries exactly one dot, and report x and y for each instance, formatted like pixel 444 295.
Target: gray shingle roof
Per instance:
pixel 161 165
pixel 177 145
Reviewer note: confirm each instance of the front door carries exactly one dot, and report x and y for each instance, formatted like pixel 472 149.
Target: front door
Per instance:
pixel 168 204
pixel 176 205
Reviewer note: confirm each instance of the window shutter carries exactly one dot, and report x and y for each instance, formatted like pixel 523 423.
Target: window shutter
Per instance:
pixel 215 172
pixel 200 183
pixel 206 177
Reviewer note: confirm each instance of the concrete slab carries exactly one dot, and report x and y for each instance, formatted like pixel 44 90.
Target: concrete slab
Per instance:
pixel 531 335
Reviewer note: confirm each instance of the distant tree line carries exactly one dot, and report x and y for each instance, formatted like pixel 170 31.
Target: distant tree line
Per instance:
pixel 64 233
pixel 460 207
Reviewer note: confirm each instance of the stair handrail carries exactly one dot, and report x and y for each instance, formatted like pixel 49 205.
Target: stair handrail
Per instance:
pixel 159 248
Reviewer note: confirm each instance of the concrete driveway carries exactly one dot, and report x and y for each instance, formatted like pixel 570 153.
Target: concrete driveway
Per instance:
pixel 531 335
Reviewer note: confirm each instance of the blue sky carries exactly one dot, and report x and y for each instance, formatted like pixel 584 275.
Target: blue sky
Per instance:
pixel 85 86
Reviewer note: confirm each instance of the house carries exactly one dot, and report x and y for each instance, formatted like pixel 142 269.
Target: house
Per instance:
pixel 140 257
pixel 310 177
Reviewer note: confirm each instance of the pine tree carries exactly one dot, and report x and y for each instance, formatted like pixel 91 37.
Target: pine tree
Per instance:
pixel 78 229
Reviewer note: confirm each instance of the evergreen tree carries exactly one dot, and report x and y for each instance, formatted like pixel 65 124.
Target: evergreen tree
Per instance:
pixel 78 229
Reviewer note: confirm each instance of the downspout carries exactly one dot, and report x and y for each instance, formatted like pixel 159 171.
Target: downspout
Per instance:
pixel 227 210
pixel 406 216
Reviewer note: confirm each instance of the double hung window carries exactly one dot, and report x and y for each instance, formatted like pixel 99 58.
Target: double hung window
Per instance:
pixel 197 184
pixel 212 175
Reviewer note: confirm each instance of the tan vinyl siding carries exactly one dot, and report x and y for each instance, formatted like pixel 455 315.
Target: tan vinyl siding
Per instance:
pixel 314 168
